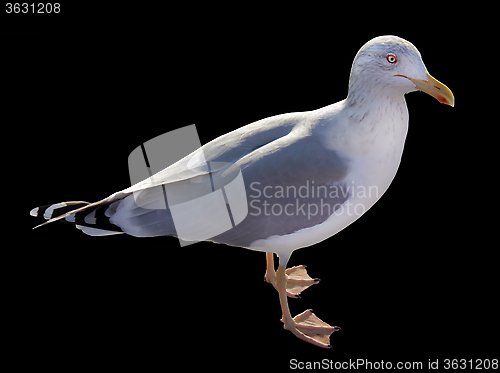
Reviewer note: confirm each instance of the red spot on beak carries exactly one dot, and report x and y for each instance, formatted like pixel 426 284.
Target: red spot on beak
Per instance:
pixel 442 99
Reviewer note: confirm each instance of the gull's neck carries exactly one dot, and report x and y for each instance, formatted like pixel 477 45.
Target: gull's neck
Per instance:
pixel 374 107
pixel 372 123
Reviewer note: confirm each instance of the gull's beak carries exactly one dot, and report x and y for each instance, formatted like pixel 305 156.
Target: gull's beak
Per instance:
pixel 434 88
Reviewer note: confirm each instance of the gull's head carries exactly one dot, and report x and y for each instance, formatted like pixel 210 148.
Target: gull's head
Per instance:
pixel 392 64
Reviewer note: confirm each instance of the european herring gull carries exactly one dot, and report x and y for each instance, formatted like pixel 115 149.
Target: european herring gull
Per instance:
pixel 306 176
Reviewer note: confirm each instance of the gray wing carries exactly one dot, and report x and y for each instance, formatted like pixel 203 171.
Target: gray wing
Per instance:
pixel 291 183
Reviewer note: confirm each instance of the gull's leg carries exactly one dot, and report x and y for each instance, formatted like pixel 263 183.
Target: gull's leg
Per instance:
pixel 307 326
pixel 270 276
pixel 298 279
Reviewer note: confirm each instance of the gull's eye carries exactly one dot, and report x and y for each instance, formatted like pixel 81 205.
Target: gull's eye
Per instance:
pixel 391 58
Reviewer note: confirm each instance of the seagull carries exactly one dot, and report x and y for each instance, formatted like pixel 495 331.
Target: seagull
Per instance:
pixel 306 175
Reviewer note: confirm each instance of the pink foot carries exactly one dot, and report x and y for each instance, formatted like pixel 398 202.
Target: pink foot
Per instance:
pixel 310 328
pixel 297 280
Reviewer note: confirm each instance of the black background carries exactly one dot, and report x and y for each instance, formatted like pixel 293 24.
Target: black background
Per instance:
pixel 412 280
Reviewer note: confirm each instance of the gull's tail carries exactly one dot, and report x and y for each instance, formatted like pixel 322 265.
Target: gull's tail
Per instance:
pixel 51 211
pixel 88 217
pixel 119 213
